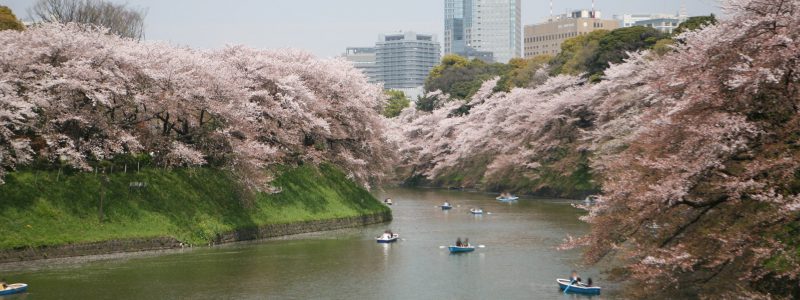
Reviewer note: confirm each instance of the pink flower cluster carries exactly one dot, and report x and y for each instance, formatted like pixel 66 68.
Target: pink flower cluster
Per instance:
pixel 79 95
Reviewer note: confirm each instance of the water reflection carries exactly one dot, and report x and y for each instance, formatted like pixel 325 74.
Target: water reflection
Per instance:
pixel 519 261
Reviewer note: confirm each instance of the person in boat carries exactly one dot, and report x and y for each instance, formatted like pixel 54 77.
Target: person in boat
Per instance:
pixel 589 281
pixel 574 278
pixel 458 242
pixel 3 284
pixel 446 204
pixel 466 242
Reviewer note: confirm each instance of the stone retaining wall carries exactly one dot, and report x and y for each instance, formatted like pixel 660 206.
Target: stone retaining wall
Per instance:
pixel 162 243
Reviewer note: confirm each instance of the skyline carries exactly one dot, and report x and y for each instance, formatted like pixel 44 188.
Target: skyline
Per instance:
pixel 314 28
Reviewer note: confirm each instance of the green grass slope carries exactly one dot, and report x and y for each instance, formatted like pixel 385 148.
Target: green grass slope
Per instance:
pixel 42 208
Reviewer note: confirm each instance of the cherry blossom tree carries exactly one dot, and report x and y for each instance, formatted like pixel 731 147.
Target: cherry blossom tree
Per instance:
pixel 77 95
pixel 705 193
pixel 696 152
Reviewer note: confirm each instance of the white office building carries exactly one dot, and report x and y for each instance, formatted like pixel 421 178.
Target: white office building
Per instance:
pixel 404 60
pixel 477 28
pixel 662 22
pixel 665 25
pixel 400 61
pixel 364 59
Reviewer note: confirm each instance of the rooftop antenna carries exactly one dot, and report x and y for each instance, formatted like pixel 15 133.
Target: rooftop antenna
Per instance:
pixel 551 9
pixel 593 14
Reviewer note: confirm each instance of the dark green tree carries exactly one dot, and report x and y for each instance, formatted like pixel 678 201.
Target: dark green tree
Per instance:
pixel 396 103
pixel 461 78
pixel 8 20
pixel 695 23
pixel 592 53
pixel 425 103
pixel 577 54
pixel 523 72
pixel 614 47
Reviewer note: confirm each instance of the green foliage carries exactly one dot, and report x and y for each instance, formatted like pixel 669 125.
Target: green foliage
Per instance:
pixel 461 78
pixel 396 103
pixel 577 53
pixel 592 53
pixel 42 208
pixel 695 23
pixel 425 103
pixel 523 72
pixel 8 20
pixel 448 61
pixel 614 46
pixel 663 46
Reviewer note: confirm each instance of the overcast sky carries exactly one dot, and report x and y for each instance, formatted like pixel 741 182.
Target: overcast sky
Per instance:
pixel 327 27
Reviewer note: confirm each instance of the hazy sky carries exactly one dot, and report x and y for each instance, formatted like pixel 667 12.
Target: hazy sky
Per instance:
pixel 326 27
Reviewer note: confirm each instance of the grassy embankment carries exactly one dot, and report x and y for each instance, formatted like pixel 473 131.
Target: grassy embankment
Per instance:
pixel 42 208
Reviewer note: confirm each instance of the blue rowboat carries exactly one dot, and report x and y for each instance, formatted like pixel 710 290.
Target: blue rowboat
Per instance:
pixel 385 239
pixel 577 288
pixel 14 289
pixel 507 199
pixel 457 249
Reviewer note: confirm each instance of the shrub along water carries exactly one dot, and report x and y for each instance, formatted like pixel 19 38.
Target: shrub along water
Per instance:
pixel 43 208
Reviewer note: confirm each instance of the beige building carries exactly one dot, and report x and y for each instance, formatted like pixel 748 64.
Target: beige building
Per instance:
pixel 547 37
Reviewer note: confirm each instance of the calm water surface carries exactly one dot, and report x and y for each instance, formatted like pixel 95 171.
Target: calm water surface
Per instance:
pixel 519 262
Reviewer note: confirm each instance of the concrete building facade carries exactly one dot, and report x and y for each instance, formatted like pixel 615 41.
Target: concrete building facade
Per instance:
pixel 629 20
pixel 364 59
pixel 483 29
pixel 547 37
pixel 400 61
pixel 404 60
pixel 665 25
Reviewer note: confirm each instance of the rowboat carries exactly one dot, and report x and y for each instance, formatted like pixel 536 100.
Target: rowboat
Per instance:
pixel 476 211
pixel 507 199
pixel 577 288
pixel 446 206
pixel 14 289
pixel 387 238
pixel 388 201
pixel 461 249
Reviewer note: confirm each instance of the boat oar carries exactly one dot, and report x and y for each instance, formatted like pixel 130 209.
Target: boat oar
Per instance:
pixel 567 288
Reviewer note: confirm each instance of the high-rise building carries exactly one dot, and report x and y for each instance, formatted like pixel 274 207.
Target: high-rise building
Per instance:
pixel 400 61
pixel 475 28
pixel 404 60
pixel 547 37
pixel 364 59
